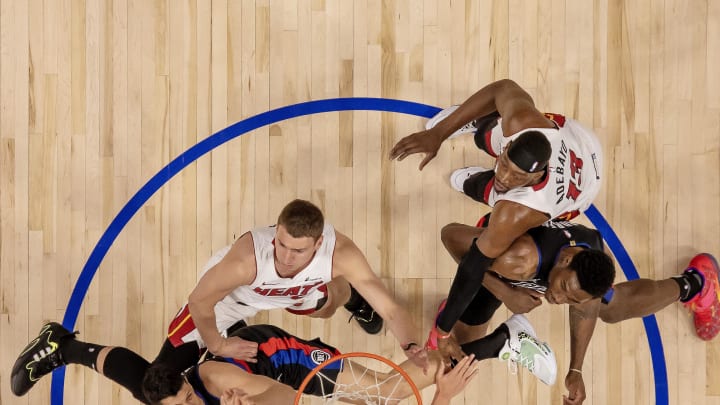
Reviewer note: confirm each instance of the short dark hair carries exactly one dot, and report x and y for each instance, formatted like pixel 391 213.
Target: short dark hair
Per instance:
pixel 302 219
pixel 595 271
pixel 161 382
pixel 530 151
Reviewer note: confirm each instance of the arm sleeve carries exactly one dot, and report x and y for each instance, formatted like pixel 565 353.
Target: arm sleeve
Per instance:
pixel 466 285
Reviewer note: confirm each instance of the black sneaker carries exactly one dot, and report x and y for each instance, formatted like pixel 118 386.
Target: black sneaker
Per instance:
pixel 367 318
pixel 40 357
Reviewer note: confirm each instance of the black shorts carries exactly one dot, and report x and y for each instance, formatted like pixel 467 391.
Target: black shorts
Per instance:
pixel 289 359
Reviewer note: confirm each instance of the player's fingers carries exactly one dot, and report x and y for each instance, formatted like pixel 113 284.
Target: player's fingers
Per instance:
pixel 400 147
pixel 468 362
pixel 428 158
pixel 440 370
pixel 536 294
pixel 464 363
pixel 459 354
pixel 471 372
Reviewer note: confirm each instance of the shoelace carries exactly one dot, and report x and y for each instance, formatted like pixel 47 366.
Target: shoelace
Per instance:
pixel 362 311
pixel 470 126
pixel 54 360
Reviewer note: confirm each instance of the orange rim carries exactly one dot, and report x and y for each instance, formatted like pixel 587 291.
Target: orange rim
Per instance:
pixel 382 359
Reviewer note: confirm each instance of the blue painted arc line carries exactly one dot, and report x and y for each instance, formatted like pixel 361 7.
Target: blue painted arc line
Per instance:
pixel 280 114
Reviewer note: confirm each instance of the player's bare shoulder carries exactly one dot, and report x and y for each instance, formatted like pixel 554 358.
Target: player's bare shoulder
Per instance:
pixel 347 256
pixel 344 247
pixel 240 260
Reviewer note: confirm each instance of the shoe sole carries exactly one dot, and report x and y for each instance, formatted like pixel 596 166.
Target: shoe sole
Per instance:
pixel 437 117
pixel 460 172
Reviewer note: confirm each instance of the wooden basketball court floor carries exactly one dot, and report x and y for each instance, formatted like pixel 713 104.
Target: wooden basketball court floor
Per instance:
pixel 97 96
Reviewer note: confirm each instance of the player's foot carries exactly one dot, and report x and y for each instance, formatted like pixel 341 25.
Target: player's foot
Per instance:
pixel 458 177
pixel 468 128
pixel 365 315
pixel 431 343
pixel 705 305
pixel 525 349
pixel 40 356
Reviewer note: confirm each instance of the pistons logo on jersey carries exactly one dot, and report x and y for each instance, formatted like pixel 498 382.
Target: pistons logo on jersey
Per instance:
pixel 319 356
pixel 295 292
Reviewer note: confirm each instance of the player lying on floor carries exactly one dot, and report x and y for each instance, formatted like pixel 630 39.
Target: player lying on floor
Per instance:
pixel 283 361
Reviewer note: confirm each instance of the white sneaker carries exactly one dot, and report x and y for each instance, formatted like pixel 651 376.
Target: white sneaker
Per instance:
pixel 468 128
pixel 523 347
pixel 458 177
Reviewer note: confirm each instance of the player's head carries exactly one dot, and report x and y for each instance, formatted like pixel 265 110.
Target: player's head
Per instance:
pixel 586 275
pixel 165 386
pixel 523 162
pixel 298 235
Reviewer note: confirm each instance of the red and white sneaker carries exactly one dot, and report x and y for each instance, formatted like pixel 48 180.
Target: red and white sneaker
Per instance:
pixel 431 343
pixel 706 304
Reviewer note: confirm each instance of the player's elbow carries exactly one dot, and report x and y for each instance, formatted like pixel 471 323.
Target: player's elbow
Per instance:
pixel 449 234
pixel 198 302
pixel 507 86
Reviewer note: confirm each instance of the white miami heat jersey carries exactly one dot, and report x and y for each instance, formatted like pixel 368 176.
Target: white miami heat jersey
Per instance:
pixel 574 171
pixel 269 290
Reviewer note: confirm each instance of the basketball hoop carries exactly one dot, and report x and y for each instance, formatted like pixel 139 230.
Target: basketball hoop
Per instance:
pixel 362 384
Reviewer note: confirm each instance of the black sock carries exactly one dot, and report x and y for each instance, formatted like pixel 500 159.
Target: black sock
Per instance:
pixel 127 368
pixel 355 300
pixel 691 283
pixel 77 352
pixel 488 347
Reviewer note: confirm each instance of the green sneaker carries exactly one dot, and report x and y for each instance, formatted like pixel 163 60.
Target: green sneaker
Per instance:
pixel 525 349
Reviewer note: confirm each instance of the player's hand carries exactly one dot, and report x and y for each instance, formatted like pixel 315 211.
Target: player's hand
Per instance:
pixel 427 142
pixel 522 300
pixel 450 384
pixel 450 349
pixel 236 396
pixel 576 389
pixel 238 348
pixel 419 357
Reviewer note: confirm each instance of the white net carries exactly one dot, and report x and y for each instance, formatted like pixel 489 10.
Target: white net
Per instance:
pixel 365 384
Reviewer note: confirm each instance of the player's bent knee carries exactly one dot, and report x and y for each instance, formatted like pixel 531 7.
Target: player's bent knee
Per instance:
pixel 449 232
pixel 607 315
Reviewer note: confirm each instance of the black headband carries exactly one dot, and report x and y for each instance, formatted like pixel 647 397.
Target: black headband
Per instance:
pixel 530 151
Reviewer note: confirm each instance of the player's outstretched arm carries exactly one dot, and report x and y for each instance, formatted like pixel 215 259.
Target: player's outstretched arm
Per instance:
pixel 514 104
pixel 223 378
pixel 350 263
pixel 235 269
pixel 583 318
